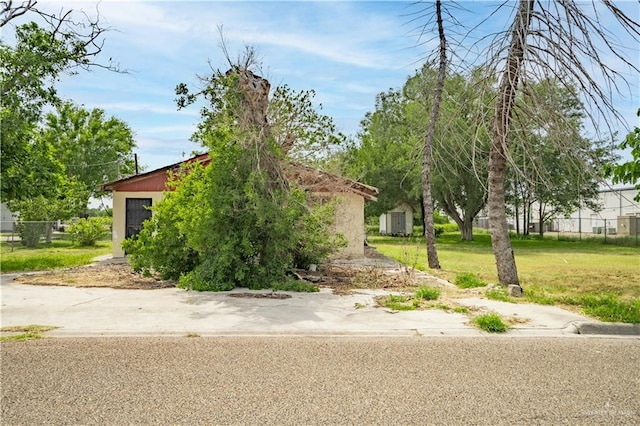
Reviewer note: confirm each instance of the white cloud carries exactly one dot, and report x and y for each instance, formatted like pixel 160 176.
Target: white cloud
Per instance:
pixel 147 107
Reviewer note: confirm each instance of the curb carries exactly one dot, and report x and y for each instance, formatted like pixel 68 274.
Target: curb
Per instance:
pixel 606 328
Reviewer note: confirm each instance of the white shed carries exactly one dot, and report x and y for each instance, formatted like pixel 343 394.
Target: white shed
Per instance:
pixel 7 218
pixel 398 221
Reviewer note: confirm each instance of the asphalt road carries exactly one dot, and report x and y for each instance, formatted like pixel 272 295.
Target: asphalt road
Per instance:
pixel 321 380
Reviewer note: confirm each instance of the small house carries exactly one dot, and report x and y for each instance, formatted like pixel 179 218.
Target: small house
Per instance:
pixel 398 221
pixel 133 196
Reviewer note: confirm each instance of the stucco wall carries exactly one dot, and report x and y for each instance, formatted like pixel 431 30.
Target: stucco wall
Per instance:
pixel 350 223
pixel 349 220
pixel 119 215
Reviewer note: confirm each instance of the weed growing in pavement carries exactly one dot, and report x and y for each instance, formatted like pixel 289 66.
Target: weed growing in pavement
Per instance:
pixel 442 307
pixel 498 293
pixel 398 302
pixel 192 335
pixel 468 280
pixel 427 293
pixel 491 323
pixel 27 332
pixel 461 310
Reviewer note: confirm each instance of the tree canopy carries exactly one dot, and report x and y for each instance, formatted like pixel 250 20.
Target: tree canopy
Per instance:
pixel 92 147
pixel 29 69
pixel 629 171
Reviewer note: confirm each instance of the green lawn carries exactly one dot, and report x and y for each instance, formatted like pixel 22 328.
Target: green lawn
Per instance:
pixel 58 254
pixel 551 271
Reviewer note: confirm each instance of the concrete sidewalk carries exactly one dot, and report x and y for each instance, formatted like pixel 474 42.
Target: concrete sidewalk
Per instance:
pixel 113 312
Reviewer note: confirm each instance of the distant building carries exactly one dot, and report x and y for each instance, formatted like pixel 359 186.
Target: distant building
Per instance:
pixel 7 218
pixel 617 205
pixel 398 221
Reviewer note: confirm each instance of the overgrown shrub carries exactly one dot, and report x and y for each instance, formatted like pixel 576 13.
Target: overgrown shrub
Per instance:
pixel 239 221
pixel 499 294
pixel 218 230
pixel 316 241
pixel 296 285
pixel 86 232
pixel 439 218
pixel 31 232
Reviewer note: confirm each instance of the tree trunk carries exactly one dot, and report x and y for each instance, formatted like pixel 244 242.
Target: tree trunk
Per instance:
pixel 505 259
pixel 432 253
pixel 516 204
pixel 450 210
pixel 517 215
pixel 467 229
pixel 541 221
pixel 422 213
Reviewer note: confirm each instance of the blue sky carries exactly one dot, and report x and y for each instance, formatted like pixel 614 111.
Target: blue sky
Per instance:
pixel 348 52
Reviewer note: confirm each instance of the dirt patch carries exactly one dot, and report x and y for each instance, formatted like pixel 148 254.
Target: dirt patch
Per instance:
pixel 374 271
pixel 110 275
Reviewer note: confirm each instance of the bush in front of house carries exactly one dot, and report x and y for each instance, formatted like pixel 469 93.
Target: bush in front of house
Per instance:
pixel 224 226
pixel 239 221
pixel 86 232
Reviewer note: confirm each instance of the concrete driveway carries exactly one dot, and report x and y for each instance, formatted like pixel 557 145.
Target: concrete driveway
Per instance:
pixel 105 311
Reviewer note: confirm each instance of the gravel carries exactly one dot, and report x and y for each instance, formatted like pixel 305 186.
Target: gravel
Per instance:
pixel 322 380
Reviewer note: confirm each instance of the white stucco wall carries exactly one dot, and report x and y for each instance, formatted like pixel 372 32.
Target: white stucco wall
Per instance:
pixel 119 215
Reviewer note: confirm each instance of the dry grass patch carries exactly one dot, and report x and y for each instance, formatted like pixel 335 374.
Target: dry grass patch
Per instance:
pixel 21 333
pixel 111 275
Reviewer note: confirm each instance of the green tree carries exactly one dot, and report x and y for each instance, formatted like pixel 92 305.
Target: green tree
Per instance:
pixel 628 172
pixel 553 165
pixel 93 148
pixel 391 146
pixel 240 220
pixel 460 149
pixel 29 68
pixel 388 154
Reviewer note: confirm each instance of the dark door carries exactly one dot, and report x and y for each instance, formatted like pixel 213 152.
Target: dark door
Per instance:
pixel 137 212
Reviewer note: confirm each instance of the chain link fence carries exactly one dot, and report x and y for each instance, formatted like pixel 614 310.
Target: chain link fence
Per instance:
pixel 624 230
pixel 30 233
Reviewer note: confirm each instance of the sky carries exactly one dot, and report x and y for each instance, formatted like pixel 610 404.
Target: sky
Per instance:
pixel 347 51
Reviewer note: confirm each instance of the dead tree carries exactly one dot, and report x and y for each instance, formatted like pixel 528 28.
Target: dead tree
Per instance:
pixel 505 260
pixel 565 41
pixel 427 198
